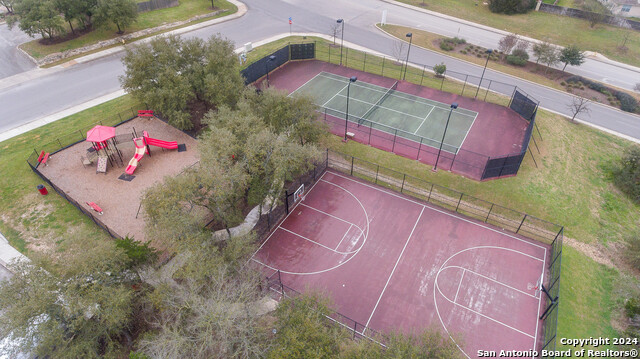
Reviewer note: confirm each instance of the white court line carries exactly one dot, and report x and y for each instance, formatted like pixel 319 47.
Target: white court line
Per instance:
pixel 379 106
pixel 425 118
pixel 366 235
pixel 459 285
pixel 304 84
pixel 394 267
pixel 414 98
pixel 314 242
pixel 480 314
pixel 468 131
pixel 544 266
pixel 331 215
pixel 343 237
pixel 284 219
pixel 440 211
pixel 337 93
pixel 493 280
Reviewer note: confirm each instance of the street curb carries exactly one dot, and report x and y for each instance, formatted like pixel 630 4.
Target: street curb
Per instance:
pixel 592 55
pixel 40 71
pixel 503 73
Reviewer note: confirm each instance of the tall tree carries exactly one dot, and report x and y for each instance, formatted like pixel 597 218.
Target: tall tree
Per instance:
pixel 546 53
pixel 571 55
pixel 122 13
pixel 79 307
pixel 37 17
pixel 183 79
pixel 70 10
pixel 578 105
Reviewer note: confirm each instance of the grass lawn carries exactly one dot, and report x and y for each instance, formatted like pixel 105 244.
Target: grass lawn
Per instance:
pixel 186 10
pixel 561 30
pixel 27 219
pixel 426 39
pixel 572 187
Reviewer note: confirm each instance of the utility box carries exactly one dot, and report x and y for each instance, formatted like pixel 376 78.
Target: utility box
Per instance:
pixel 248 47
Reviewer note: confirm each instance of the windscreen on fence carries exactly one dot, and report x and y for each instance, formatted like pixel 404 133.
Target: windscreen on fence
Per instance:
pixel 259 68
pixel 523 105
pixel 303 51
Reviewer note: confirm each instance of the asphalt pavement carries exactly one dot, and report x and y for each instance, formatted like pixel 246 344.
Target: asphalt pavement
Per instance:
pixel 12 59
pixel 53 90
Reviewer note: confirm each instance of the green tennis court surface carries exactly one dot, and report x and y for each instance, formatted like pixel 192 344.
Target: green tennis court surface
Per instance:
pixel 414 117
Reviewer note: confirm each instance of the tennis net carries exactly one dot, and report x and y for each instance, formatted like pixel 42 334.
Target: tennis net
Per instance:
pixel 377 104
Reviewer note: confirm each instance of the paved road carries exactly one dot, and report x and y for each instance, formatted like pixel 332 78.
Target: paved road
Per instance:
pixel 13 60
pixel 59 89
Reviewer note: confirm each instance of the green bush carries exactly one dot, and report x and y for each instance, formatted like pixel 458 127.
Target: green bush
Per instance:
pixel 521 54
pixel 516 60
pixel 627 102
pixel 446 46
pixel 440 69
pixel 138 253
pixel 459 40
pixel 627 177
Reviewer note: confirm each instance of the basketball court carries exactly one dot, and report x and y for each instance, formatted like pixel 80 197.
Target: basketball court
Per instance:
pixel 390 262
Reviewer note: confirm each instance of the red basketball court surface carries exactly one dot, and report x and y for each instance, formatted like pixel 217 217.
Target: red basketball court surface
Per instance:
pixel 393 263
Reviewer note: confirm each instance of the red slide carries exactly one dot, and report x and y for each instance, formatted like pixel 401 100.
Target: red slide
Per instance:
pixel 170 145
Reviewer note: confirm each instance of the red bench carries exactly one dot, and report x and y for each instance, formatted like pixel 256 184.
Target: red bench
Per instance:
pixel 43 158
pixel 145 113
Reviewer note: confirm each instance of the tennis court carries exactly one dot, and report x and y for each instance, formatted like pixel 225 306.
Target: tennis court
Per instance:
pixel 390 262
pixel 419 119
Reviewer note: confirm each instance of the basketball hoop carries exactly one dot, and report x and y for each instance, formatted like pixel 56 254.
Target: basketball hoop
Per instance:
pixel 299 194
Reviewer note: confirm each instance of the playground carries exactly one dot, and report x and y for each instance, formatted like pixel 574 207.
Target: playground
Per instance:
pixel 129 170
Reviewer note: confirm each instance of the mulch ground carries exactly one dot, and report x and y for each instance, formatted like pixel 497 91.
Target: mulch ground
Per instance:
pixel 120 199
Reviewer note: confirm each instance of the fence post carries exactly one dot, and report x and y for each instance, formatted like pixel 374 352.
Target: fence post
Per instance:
pixel 486 93
pixel 140 206
pixel 419 148
pixel 281 286
pixel 488 214
pixel 364 63
pixel 523 219
pixel 459 200
pixel 286 200
pixel 395 135
pixel 465 85
pixel 327 159
pixel 355 329
pixel 59 143
pixel 430 190
pixel 404 177
pixel 352 158
pixel 377 169
pixel 422 77
pixel 370 129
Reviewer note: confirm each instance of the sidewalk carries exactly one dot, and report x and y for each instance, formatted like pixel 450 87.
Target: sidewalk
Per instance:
pixel 8 254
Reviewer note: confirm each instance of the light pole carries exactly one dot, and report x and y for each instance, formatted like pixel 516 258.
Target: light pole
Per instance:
pixel 341 21
pixel 410 36
pixel 266 66
pixel 453 107
pixel 488 52
pixel 346 116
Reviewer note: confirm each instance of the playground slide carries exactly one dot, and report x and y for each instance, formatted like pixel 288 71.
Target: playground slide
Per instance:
pixel 140 150
pixel 170 145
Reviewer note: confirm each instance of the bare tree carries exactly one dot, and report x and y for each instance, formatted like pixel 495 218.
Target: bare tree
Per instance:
pixel 522 45
pixel 507 43
pixel 335 31
pixel 398 50
pixel 578 105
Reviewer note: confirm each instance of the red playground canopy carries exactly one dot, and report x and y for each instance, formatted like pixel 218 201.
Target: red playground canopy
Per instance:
pixel 100 133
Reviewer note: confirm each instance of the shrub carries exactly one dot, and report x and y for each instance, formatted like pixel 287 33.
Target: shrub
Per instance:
pixel 563 83
pixel 627 102
pixel 440 69
pixel 520 53
pixel 459 40
pixel 515 60
pixel 446 46
pixel 464 52
pixel 478 55
pixel 627 177
pixel 138 253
